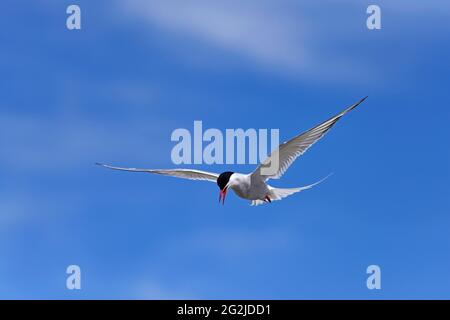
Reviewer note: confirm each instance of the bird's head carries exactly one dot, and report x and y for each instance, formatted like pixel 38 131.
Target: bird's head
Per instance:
pixel 223 182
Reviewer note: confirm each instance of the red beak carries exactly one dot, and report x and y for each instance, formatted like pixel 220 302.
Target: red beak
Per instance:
pixel 222 195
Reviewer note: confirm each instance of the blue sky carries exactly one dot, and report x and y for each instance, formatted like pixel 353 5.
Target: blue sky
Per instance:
pixel 116 89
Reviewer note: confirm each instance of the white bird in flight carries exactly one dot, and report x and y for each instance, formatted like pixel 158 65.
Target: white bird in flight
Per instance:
pixel 253 186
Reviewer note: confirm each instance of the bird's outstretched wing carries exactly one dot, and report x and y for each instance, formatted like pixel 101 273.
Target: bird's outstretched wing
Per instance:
pixel 290 150
pixel 179 173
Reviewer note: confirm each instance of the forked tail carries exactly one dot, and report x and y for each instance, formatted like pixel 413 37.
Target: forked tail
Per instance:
pixel 280 193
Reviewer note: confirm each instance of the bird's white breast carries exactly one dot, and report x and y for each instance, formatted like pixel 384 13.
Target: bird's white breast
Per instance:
pixel 244 187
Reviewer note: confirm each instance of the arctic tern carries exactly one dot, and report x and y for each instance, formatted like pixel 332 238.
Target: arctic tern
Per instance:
pixel 253 186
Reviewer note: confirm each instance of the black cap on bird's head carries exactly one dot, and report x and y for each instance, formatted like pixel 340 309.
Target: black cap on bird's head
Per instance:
pixel 222 182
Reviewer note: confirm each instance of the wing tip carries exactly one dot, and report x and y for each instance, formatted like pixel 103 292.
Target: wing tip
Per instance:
pixel 357 104
pixel 101 164
pixel 104 165
pixel 362 100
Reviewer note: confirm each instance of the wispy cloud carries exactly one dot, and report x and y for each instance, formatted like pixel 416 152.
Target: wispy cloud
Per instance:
pixel 287 37
pixel 273 35
pixel 253 29
pixel 52 143
pixel 145 288
pixel 226 245
pixel 236 243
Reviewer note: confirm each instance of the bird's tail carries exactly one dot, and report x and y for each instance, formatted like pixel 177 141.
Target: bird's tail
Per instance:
pixel 280 193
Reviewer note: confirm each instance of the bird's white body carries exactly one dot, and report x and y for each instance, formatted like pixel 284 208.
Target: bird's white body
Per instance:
pixel 253 186
pixel 247 188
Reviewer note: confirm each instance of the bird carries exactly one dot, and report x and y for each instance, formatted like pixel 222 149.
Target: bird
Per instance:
pixel 254 186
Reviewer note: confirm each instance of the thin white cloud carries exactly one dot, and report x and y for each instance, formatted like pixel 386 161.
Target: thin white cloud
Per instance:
pixel 146 289
pixel 237 242
pixel 273 35
pixel 253 29
pixel 226 244
pixel 291 37
pixel 14 209
pixel 55 143
pixel 233 243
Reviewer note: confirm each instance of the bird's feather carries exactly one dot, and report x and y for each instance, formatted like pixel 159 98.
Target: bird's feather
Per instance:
pixel 179 173
pixel 290 150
